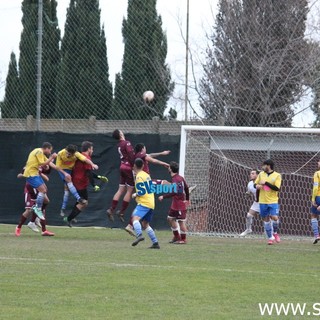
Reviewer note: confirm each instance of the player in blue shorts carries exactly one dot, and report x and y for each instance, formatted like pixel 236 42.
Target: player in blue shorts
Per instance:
pixel 145 206
pixel 268 183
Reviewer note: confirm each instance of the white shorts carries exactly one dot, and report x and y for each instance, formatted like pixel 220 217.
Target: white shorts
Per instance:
pixel 255 207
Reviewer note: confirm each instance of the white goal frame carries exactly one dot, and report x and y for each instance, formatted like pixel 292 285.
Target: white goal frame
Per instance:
pixel 208 213
pixel 186 128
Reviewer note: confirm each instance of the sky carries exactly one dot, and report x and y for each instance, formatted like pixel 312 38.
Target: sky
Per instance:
pixel 173 13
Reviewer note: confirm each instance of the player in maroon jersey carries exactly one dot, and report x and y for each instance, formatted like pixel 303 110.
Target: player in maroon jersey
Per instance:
pixel 82 176
pixel 178 209
pixel 141 153
pixel 126 185
pixel 30 196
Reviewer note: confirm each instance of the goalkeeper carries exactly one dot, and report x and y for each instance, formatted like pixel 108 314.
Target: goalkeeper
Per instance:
pixel 82 176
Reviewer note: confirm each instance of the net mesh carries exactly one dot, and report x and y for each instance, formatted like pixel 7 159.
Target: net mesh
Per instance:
pixel 219 164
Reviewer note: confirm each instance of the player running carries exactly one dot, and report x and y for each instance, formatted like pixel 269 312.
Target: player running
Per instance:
pixel 254 209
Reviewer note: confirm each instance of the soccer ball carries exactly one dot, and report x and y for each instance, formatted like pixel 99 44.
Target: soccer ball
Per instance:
pixel 148 96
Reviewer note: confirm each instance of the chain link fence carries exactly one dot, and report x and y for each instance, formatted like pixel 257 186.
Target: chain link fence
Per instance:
pixel 258 65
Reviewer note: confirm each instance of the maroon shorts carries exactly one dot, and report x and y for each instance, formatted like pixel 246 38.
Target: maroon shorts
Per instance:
pixel 178 215
pixel 126 176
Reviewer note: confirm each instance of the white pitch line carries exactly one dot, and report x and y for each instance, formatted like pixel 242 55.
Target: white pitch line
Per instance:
pixel 133 265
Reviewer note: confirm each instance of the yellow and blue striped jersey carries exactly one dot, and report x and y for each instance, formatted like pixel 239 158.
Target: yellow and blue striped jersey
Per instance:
pixel 316 189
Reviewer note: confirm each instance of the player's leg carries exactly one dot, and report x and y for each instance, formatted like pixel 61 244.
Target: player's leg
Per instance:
pixel 65 199
pixel 24 216
pixel 253 211
pixel 71 187
pixel 121 191
pixel 172 221
pixel 38 183
pixel 151 234
pixel 43 223
pixel 264 213
pixel 181 219
pixel 138 213
pixel 129 182
pixel 77 208
pixel 314 221
pixel 274 214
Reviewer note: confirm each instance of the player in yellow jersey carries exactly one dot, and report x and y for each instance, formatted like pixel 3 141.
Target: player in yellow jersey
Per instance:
pixel 315 208
pixel 66 160
pixel 37 158
pixel 268 183
pixel 145 205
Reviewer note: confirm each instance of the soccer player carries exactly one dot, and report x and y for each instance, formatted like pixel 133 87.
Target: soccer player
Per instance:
pixel 82 175
pixel 144 209
pixel 141 152
pixel 66 160
pixel 178 210
pixel 254 209
pixel 30 195
pixel 268 183
pixel 37 158
pixel 315 208
pixel 126 184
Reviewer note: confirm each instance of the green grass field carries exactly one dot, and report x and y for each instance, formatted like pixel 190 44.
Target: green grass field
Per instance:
pixel 87 273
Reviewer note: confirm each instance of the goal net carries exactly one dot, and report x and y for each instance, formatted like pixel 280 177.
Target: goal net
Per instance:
pixel 219 160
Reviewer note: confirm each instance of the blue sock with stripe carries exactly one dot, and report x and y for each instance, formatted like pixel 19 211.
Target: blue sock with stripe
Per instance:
pixel 137 227
pixel 268 229
pixel 65 199
pixel 151 234
pixel 40 199
pixel 315 227
pixel 73 190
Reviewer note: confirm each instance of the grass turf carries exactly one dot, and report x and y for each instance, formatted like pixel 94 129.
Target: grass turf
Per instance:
pixel 87 273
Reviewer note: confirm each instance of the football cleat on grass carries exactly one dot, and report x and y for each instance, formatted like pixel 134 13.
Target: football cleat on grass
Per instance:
pixel 315 241
pixel 180 242
pixel 69 223
pixel 174 240
pixel 33 226
pixel 17 231
pixel 139 238
pixel 276 238
pixel 47 233
pixel 155 246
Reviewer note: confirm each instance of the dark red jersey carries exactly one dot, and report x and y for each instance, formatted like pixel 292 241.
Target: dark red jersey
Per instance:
pixel 79 173
pixel 126 152
pixel 142 155
pixel 182 194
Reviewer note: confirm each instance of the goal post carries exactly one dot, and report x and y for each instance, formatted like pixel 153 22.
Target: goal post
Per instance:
pixel 219 159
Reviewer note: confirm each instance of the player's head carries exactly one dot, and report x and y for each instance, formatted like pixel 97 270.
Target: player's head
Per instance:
pixel 174 167
pixel 87 146
pixel 71 150
pixel 139 147
pixel 254 174
pixel 47 148
pixel 138 164
pixel 268 165
pixel 117 134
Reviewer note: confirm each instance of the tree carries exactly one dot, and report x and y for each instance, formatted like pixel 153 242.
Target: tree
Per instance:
pixel 10 106
pixel 256 62
pixel 83 86
pixel 28 58
pixel 143 67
